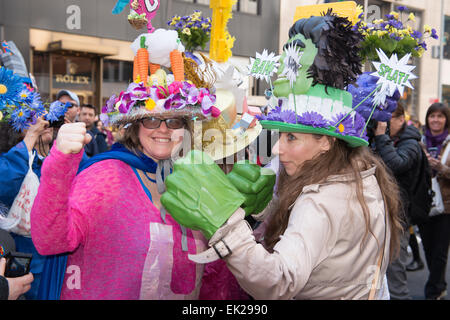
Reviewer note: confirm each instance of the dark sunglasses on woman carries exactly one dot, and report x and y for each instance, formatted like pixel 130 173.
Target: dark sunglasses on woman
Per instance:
pixel 155 123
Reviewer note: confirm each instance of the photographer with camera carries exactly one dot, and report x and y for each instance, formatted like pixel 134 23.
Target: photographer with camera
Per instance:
pixel 18 162
pixel 398 146
pixel 21 157
pixel 73 110
pixel 11 288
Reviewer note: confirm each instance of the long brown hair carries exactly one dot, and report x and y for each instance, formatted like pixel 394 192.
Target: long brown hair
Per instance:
pixel 331 163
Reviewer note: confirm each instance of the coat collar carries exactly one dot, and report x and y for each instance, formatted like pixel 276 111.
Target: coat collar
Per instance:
pixel 335 178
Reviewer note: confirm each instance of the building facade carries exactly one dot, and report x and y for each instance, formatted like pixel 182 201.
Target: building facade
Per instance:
pixel 81 46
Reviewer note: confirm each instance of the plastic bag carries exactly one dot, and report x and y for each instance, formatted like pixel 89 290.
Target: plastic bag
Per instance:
pixel 438 204
pixel 18 218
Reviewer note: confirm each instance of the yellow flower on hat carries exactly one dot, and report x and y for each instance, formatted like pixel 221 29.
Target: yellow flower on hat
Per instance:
pixel 150 104
pixel 412 17
pixel 138 79
pixel 427 28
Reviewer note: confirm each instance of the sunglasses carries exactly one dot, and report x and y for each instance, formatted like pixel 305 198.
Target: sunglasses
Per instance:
pixel 70 105
pixel 155 123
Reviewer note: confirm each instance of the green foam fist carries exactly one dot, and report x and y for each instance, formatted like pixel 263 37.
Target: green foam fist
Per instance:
pixel 199 196
pixel 255 184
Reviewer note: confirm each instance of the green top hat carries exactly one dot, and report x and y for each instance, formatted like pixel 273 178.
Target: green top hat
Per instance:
pixel 316 67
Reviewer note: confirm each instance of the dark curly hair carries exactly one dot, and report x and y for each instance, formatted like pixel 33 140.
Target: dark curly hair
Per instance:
pixel 8 137
pixel 337 63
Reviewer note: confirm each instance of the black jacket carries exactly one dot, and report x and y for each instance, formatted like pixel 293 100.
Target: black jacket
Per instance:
pixel 401 155
pixel 7 245
pixel 98 143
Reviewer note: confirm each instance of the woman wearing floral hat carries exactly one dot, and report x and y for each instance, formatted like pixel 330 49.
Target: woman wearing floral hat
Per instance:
pixel 333 226
pixel 122 244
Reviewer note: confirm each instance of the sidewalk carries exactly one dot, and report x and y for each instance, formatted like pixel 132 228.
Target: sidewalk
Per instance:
pixel 417 279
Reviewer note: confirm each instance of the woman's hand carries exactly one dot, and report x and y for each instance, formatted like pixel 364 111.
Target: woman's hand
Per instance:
pixel 435 164
pixel 72 137
pixel 34 132
pixel 381 128
pixel 17 286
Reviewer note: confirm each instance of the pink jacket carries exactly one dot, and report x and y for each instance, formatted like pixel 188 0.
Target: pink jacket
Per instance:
pixel 120 247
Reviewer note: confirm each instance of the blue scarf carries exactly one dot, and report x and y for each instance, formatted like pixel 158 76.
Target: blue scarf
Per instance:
pixel 119 152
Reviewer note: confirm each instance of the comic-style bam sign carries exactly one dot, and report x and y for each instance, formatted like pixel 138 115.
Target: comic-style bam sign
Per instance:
pixel 264 65
pixel 393 75
pixel 291 63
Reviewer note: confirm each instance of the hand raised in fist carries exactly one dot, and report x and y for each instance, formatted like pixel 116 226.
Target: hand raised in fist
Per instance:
pixel 72 137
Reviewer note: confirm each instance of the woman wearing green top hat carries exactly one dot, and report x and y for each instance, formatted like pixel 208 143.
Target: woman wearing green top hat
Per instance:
pixel 333 224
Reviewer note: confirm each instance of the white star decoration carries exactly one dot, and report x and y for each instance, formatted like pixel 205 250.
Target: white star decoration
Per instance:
pixel 264 65
pixel 393 75
pixel 292 63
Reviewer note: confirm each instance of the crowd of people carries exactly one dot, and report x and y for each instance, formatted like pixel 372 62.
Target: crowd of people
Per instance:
pixel 331 216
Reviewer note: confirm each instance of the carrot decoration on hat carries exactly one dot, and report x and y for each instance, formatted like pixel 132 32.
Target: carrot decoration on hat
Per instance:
pixel 142 61
pixel 176 59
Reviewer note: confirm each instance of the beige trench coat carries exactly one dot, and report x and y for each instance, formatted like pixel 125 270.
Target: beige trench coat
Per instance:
pixel 321 254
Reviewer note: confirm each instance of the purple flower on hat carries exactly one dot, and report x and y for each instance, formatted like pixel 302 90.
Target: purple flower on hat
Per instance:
pixel 350 126
pixel 137 91
pixel 207 103
pixel 174 101
pixel 288 116
pixel 313 119
pixel 152 92
pixel 402 8
pixel 203 92
pixel 191 94
pixel 110 104
pixel 104 118
pixel 274 115
pixel 346 126
pixel 125 102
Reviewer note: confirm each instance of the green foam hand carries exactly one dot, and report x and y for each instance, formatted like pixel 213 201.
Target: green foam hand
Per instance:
pixel 255 183
pixel 199 196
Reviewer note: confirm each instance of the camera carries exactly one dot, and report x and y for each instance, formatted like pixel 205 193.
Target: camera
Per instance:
pixel 17 264
pixel 57 124
pixel 433 151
